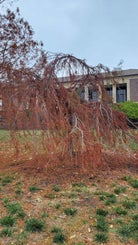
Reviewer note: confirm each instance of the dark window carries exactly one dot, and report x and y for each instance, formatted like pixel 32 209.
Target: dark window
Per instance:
pixel 121 93
pixel 109 90
pixel 81 93
pixel 93 95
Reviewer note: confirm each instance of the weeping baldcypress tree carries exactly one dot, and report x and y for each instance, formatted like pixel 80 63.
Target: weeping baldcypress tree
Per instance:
pixel 60 124
pixel 48 121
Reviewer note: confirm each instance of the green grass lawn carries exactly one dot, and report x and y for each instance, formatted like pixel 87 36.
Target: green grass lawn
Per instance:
pixel 4 135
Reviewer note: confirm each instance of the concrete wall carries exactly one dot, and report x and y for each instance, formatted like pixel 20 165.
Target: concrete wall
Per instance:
pixel 134 89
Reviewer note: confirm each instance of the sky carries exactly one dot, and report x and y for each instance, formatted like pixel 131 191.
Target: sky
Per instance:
pixel 99 31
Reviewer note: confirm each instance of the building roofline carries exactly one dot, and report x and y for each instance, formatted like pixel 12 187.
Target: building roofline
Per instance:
pixel 115 73
pixel 127 72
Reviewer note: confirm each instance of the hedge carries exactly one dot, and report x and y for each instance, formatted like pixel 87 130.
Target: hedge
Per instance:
pixel 130 108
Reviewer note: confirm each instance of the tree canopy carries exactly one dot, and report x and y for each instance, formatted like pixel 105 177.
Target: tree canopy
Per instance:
pixel 18 49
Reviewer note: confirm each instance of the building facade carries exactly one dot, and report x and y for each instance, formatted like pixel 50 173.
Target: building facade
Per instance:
pixel 123 86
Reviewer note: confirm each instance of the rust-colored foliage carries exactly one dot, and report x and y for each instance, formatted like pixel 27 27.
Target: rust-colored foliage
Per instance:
pixel 45 118
pixel 19 53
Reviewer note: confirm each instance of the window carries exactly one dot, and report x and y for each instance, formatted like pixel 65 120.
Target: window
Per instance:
pixel 93 95
pixel 81 92
pixel 109 90
pixel 121 93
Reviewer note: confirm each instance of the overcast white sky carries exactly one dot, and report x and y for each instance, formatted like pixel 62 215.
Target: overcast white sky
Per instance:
pixel 100 31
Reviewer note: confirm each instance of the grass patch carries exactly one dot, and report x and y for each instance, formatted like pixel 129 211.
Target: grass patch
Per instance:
pixel 110 199
pixel 135 217
pixel 6 201
pixel 73 195
pixel 34 188
pixel 6 180
pixel 15 208
pixel 56 188
pixel 6 232
pixel 127 231
pixel 44 215
pixel 124 231
pixel 58 206
pixel 102 224
pixel 128 204
pixel 102 212
pixel 18 192
pixel 131 181
pixel 21 238
pixel 4 135
pixel 7 221
pixel 70 211
pixel 81 184
pixel 102 197
pixel 120 189
pixel 134 183
pixel 118 221
pixel 101 237
pixel 59 238
pixel 50 196
pixel 126 178
pixel 34 225
pixel 56 229
pixel 134 146
pixel 120 211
